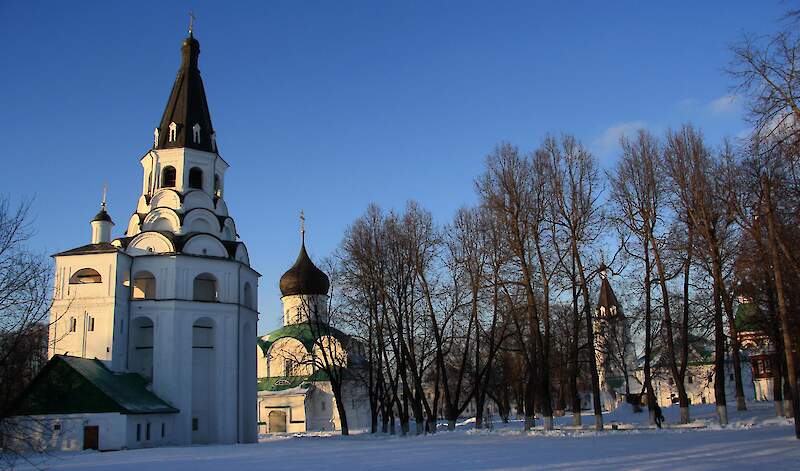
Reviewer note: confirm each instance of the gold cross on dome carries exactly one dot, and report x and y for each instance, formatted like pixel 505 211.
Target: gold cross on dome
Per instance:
pixel 191 22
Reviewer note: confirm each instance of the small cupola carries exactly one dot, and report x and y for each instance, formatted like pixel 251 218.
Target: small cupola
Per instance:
pixel 102 224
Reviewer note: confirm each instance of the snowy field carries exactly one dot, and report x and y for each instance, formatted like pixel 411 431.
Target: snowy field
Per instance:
pixel 754 439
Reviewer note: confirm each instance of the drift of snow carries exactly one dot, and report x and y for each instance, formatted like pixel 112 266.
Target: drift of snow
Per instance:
pixel 754 439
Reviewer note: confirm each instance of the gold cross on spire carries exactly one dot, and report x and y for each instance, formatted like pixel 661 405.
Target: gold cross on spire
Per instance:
pixel 302 222
pixel 191 22
pixel 105 191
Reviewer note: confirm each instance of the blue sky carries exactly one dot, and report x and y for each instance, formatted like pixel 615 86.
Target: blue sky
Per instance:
pixel 329 106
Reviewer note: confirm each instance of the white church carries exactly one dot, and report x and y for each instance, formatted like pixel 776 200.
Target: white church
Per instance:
pixel 295 393
pixel 153 333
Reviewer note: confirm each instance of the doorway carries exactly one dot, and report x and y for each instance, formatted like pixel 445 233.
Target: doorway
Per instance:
pixel 277 422
pixel 91 437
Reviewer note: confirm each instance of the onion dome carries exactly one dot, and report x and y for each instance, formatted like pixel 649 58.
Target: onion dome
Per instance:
pixel 103 214
pixel 304 277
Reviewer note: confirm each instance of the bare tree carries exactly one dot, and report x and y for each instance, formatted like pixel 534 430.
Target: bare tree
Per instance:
pixel 693 173
pixel 576 189
pixel 767 72
pixel 25 284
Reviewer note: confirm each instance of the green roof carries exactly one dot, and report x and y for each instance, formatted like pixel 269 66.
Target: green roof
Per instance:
pixel 280 383
pixel 306 332
pixel 72 385
pixel 747 318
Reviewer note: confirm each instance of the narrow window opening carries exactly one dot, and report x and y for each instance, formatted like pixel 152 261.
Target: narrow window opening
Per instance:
pixel 138 432
pixel 173 132
pixel 90 326
pixel 147 431
pixel 73 324
pixel 163 429
pixel 195 178
pixel 196 133
pixel 195 424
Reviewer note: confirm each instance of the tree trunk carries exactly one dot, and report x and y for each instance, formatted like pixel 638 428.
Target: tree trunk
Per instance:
pixel 337 395
pixel 719 354
pixel 786 327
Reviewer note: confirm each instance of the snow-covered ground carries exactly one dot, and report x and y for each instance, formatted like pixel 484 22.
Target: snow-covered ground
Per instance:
pixel 754 439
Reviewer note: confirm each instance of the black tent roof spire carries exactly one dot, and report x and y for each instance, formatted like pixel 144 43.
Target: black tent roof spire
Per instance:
pixel 186 121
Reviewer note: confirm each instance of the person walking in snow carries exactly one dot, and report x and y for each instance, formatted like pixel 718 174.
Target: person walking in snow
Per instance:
pixel 659 417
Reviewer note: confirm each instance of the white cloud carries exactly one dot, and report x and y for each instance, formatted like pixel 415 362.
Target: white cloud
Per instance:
pixel 608 142
pixel 723 104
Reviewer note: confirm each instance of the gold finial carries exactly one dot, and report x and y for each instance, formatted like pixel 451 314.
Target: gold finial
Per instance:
pixel 105 191
pixel 191 22
pixel 302 223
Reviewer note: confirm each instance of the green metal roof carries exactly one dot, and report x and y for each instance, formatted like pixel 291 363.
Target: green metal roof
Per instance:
pixel 306 332
pixel 746 318
pixel 72 385
pixel 280 383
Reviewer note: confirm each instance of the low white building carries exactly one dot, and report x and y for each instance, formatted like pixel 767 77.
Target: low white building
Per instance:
pixel 170 306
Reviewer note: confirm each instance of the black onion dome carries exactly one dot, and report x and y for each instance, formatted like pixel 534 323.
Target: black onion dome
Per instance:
pixel 102 216
pixel 304 277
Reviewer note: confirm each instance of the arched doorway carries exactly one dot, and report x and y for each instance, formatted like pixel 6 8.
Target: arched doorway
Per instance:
pixel 203 380
pixel 142 346
pixel 277 421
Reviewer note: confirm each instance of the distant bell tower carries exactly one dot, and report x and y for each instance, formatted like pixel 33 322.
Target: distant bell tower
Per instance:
pixel 613 347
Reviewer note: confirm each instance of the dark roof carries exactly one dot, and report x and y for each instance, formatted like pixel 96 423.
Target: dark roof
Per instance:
pixel 102 216
pixel 187 105
pixel 306 332
pixel 607 297
pixel 304 277
pixel 103 247
pixel 72 385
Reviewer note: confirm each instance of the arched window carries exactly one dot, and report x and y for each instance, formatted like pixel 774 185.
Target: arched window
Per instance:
pixel 168 177
pixel 217 186
pixel 205 288
pixel 173 132
pixel 196 133
pixel 144 286
pixel 195 178
pixel 85 275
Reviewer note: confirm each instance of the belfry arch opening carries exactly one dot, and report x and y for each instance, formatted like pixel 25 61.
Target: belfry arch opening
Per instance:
pixel 195 178
pixel 144 285
pixel 168 177
pixel 205 288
